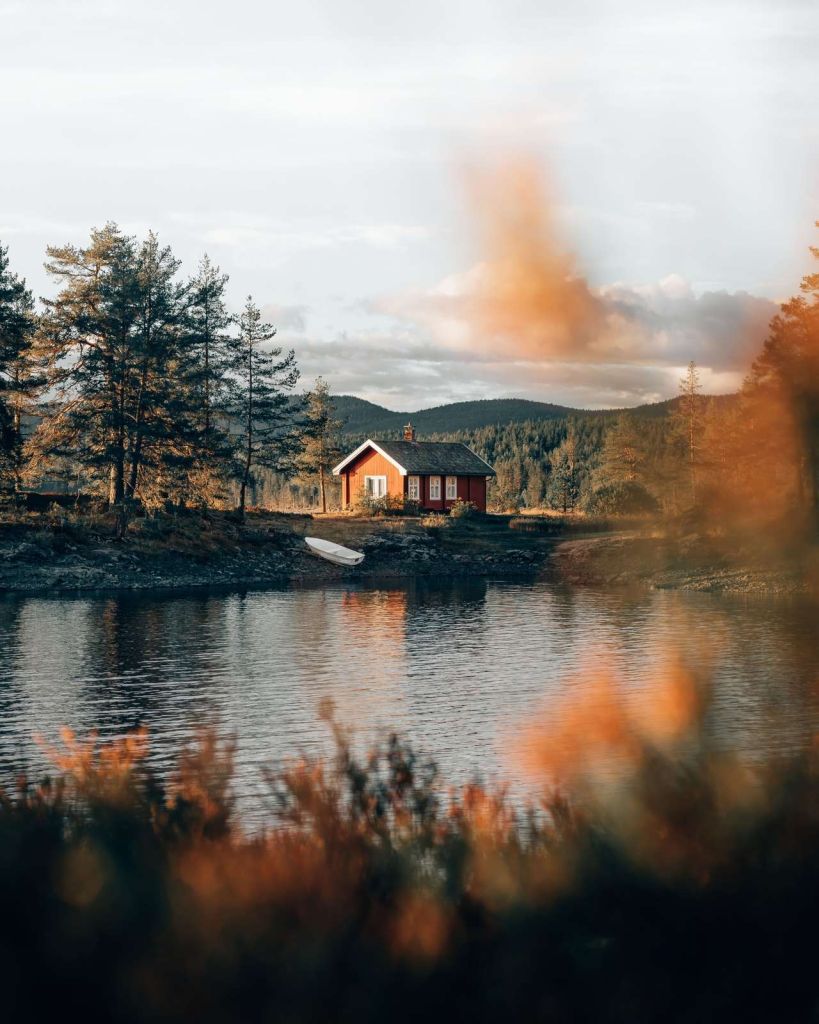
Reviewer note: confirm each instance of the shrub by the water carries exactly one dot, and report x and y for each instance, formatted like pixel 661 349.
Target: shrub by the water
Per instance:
pixel 389 505
pixel 684 890
pixel 462 509
pixel 624 498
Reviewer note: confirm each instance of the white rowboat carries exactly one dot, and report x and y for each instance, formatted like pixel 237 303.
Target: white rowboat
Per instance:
pixel 334 552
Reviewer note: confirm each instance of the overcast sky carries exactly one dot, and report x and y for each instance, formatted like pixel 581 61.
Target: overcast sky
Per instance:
pixel 316 150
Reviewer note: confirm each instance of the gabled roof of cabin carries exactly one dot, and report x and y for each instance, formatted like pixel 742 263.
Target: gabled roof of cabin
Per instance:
pixel 443 458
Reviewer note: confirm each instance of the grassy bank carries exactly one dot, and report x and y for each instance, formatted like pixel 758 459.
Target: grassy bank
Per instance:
pixel 662 559
pixel 60 550
pixel 686 891
pixel 64 551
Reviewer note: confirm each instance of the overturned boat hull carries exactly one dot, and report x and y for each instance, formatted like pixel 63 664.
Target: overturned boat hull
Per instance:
pixel 334 552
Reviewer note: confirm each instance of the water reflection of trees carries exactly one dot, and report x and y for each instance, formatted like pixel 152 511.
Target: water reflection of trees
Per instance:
pixel 106 664
pixel 761 656
pixel 13 752
pixel 144 651
pixel 452 661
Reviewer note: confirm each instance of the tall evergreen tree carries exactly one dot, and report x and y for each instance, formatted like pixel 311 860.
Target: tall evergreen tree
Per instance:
pixel 160 430
pixel 114 336
pixel 321 448
pixel 90 329
pixel 21 376
pixel 688 418
pixel 206 374
pixel 537 481
pixel 563 484
pixel 261 403
pixel 622 456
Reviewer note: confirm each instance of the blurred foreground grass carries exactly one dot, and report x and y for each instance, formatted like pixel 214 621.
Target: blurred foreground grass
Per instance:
pixel 685 890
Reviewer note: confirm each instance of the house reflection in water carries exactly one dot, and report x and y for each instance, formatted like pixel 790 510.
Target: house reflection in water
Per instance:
pixel 388 637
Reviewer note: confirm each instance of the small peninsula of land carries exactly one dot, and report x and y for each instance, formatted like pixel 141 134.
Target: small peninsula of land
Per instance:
pixel 62 554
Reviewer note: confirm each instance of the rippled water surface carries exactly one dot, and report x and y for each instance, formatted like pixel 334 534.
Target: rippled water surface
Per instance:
pixel 459 666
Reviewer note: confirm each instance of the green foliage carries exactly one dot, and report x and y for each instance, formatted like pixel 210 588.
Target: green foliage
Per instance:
pixel 21 377
pixel 462 509
pixel 205 376
pixel 389 505
pixel 157 396
pixel 320 444
pixel 559 460
pixel 626 497
pixel 563 486
pixel 261 379
pixel 115 345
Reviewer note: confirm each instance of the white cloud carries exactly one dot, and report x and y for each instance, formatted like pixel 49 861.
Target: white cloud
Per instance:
pixel 662 324
pixel 309 148
pixel 287 319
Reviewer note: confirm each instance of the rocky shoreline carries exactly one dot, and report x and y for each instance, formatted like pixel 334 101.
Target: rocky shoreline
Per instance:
pixel 662 563
pixel 35 565
pixel 58 558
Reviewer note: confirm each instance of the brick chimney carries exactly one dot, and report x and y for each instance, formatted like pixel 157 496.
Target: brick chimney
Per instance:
pixel 409 432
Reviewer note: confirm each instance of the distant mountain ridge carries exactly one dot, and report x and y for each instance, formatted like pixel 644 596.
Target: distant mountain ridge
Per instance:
pixel 360 417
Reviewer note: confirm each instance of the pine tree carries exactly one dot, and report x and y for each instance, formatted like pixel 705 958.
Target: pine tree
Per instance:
pixel 93 347
pixel 321 447
pixel 160 429
pixel 537 482
pixel 206 376
pixel 113 337
pixel 21 376
pixel 563 484
pixel 622 456
pixel 688 418
pixel 261 403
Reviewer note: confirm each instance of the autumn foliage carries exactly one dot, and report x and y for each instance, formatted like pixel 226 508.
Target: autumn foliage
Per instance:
pixel 683 885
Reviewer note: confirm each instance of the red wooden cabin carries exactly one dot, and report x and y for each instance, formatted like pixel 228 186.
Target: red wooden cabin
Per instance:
pixel 434 473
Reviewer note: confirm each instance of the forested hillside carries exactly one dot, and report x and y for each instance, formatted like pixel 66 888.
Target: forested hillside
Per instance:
pixel 361 417
pixel 550 455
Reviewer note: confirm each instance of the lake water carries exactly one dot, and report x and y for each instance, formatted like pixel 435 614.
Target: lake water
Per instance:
pixel 459 666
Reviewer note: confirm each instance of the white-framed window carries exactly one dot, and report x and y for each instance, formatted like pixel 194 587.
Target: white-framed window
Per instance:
pixel 451 488
pixel 375 486
pixel 414 488
pixel 434 488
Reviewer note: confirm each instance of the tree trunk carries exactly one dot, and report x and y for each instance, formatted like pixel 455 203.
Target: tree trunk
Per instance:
pixel 243 491
pixel 136 454
pixel 322 490
pixel 133 476
pixel 245 478
pixel 691 461
pixel 116 497
pixel 18 449
pixel 249 426
pixel 116 487
pixel 207 383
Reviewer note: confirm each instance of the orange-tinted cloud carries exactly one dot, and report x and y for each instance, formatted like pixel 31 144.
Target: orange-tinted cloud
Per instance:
pixel 529 294
pixel 527 299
